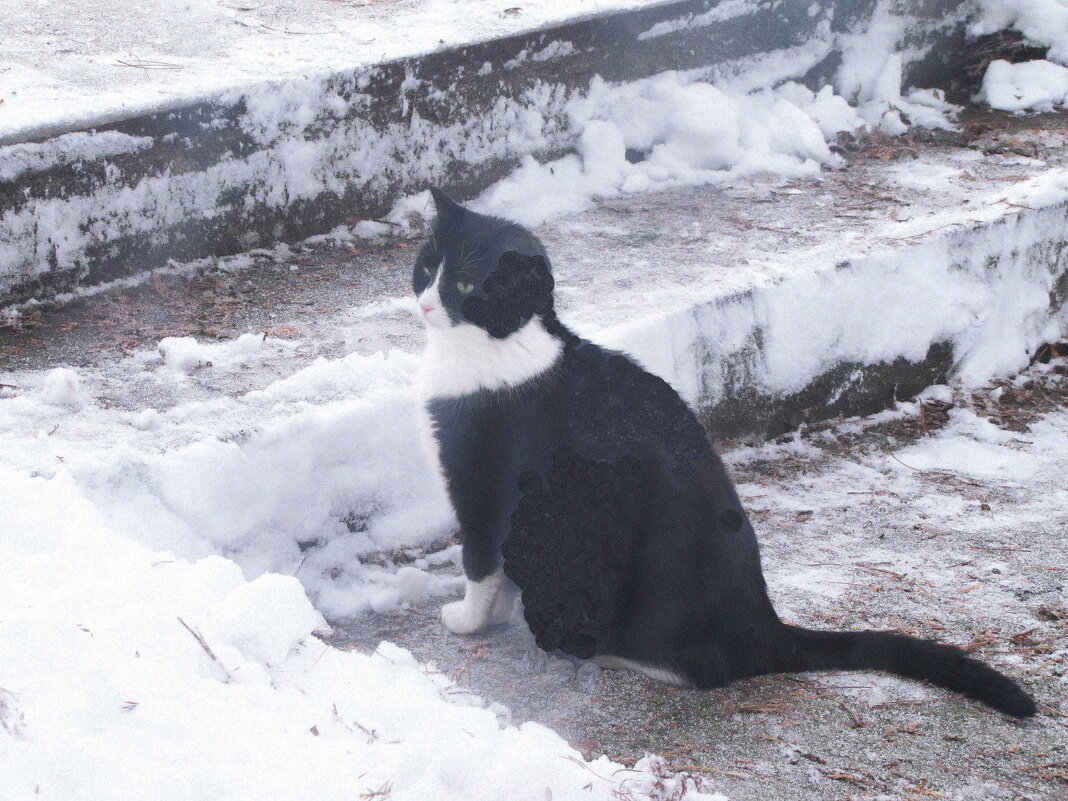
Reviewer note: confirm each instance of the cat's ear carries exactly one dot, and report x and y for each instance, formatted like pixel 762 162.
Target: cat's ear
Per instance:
pixel 520 287
pixel 449 211
pixel 532 277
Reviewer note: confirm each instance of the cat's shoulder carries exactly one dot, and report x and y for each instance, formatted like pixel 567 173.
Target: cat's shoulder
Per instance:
pixel 603 371
pixel 613 404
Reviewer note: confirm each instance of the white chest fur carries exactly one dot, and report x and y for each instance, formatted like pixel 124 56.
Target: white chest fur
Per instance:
pixel 463 359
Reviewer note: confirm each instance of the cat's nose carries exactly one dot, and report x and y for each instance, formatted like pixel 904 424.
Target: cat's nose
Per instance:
pixel 426 307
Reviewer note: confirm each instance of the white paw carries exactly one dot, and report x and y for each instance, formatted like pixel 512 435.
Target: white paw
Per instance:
pixel 458 619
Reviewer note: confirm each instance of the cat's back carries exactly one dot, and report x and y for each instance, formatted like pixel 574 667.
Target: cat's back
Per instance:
pixel 615 408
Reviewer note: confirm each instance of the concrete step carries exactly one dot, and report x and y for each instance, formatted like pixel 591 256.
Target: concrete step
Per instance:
pixel 768 305
pixel 96 198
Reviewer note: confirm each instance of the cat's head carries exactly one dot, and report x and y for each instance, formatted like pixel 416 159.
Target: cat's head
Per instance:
pixel 480 270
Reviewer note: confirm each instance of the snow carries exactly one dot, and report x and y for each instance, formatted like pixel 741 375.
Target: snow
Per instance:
pixel 916 515
pixel 1033 85
pixel 185 354
pixel 138 622
pixel 688 132
pixel 165 568
pixel 250 515
pixel 62 387
pixel 793 319
pixel 289 168
pixel 874 54
pixel 76 66
pixel 785 318
pixel 104 639
pixel 1042 22
pixel 1038 85
pixel 67 148
pixel 727 122
pixel 729 9
pixel 974 446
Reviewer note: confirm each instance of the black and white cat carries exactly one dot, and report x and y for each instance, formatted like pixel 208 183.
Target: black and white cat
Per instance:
pixel 587 484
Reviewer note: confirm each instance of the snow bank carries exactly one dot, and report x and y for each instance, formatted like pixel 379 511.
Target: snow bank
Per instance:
pixel 146 651
pixel 1042 22
pixel 1033 85
pixel 129 673
pixel 678 131
pixel 328 459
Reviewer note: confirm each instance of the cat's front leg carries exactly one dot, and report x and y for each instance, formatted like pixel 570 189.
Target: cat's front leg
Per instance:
pixel 476 611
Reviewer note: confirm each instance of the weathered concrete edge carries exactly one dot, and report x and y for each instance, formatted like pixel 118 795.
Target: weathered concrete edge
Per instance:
pixel 298 158
pixel 754 369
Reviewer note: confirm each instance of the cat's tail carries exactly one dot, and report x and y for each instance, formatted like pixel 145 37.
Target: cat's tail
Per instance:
pixel 943 665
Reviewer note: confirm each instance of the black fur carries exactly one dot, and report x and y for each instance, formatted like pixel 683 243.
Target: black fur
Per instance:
pixel 519 288
pixel 615 517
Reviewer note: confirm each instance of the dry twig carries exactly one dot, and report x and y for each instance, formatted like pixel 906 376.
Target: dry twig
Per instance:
pixel 207 648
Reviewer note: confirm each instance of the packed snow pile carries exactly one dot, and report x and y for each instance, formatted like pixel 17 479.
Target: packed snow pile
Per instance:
pixel 128 673
pixel 1038 85
pixel 675 129
pixel 304 477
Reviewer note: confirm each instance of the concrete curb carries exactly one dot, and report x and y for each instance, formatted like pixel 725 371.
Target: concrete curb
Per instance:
pixel 735 400
pixel 289 160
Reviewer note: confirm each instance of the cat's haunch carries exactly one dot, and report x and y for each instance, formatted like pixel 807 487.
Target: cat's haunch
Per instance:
pixel 573 537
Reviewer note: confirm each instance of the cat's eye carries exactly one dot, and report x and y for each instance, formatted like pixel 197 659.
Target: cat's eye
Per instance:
pixel 465 289
pixel 427 271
